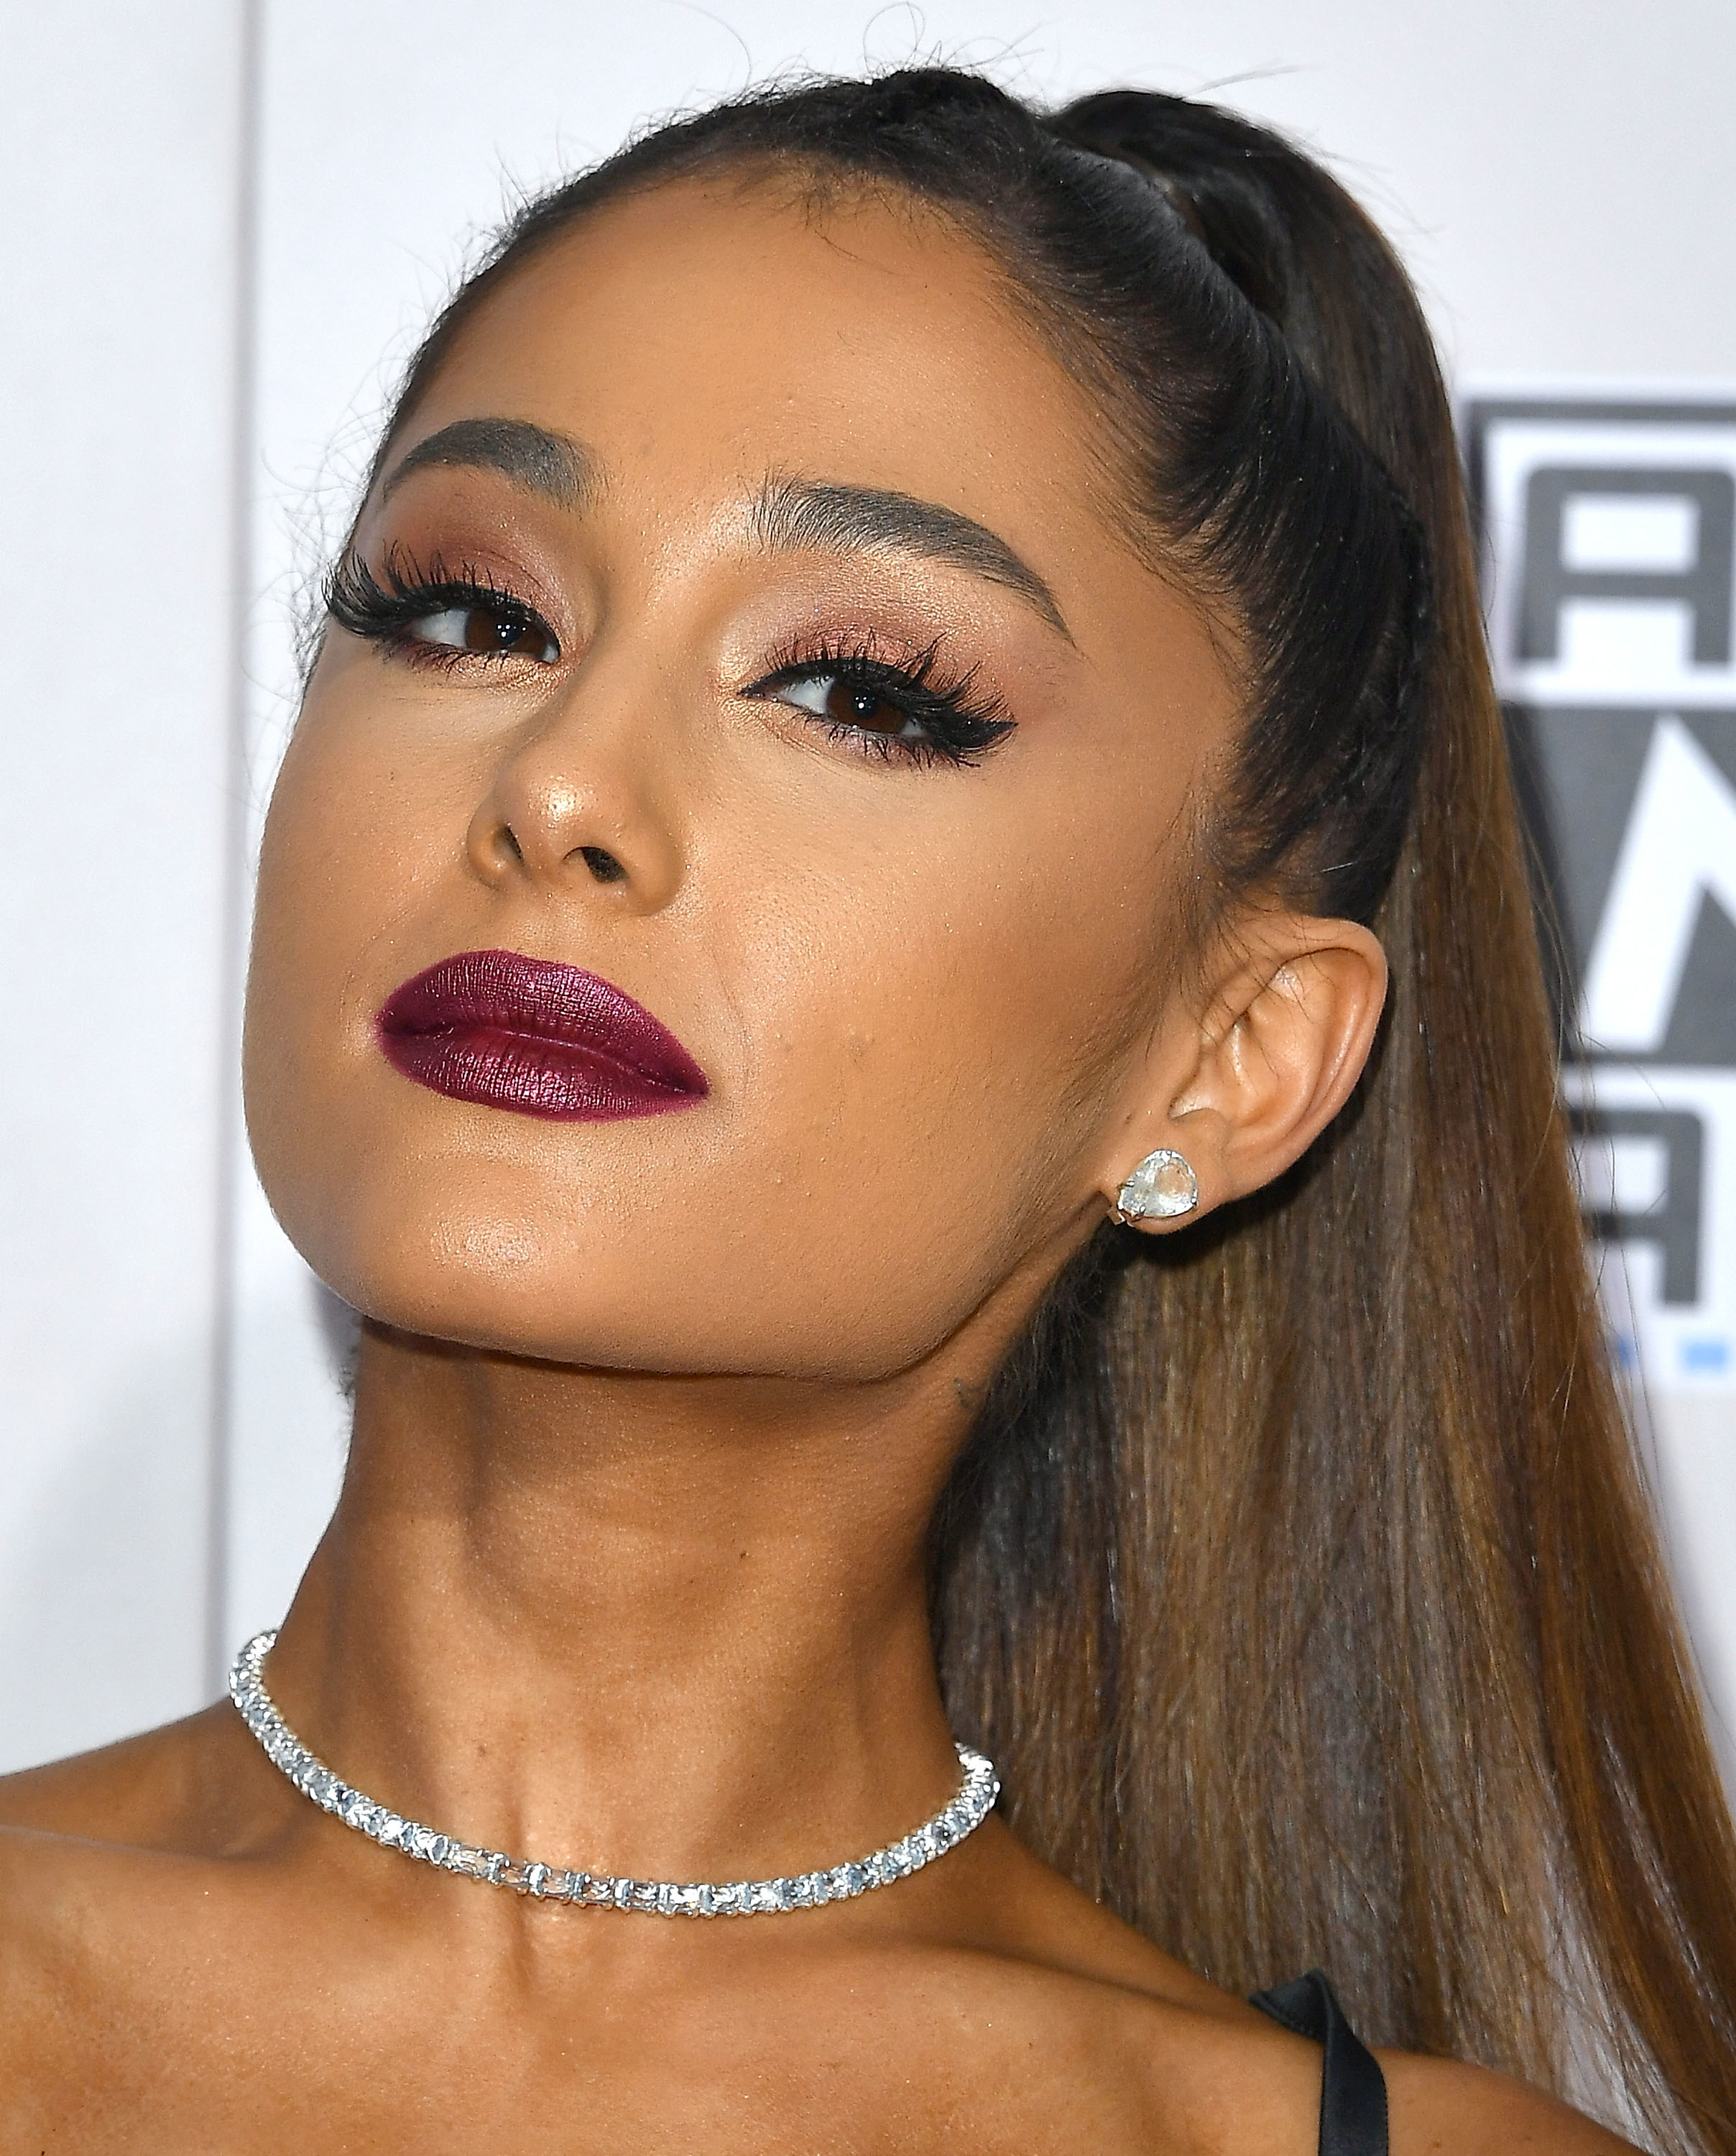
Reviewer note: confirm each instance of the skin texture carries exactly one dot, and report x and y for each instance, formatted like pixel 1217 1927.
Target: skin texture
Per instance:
pixel 651 1414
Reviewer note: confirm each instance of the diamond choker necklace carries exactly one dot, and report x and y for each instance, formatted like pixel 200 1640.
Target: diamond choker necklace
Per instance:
pixel 596 1890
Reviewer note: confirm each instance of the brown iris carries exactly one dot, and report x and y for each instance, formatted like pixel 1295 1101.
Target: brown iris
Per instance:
pixel 489 631
pixel 850 705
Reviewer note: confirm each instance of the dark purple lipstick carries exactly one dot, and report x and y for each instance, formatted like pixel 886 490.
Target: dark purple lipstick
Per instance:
pixel 540 1039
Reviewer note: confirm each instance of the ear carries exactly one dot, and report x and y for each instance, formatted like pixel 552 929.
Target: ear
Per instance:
pixel 1242 1083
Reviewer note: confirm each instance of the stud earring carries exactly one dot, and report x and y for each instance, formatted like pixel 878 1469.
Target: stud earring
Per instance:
pixel 1163 1187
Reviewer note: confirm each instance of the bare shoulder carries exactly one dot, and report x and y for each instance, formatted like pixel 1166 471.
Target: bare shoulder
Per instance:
pixel 1436 2105
pixel 1230 2079
pixel 98 1854
pixel 167 1788
pixel 1219 2074
pixel 96 1828
pixel 1195 2069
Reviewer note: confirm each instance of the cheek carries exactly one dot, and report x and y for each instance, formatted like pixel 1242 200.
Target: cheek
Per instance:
pixel 345 866
pixel 934 1046
pixel 931 1033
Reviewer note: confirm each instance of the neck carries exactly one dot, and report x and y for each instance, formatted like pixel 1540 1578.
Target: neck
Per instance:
pixel 669 1627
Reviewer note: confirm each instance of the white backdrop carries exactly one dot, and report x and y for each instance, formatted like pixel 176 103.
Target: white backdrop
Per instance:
pixel 223 226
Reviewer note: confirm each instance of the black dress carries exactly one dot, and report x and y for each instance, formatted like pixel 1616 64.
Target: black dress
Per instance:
pixel 1352 2090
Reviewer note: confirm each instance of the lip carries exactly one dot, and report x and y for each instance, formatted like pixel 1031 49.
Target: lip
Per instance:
pixel 537 1038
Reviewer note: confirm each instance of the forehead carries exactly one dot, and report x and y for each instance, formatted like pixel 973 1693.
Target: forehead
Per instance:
pixel 705 331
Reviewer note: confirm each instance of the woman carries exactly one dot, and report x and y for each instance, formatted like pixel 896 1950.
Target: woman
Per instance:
pixel 892 960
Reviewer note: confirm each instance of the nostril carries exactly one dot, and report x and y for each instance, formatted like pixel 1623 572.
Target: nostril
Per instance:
pixel 603 864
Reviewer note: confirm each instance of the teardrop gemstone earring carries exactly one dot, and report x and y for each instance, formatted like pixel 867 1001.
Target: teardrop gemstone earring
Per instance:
pixel 1163 1187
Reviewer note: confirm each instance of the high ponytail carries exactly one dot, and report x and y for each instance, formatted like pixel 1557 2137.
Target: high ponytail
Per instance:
pixel 1300 1574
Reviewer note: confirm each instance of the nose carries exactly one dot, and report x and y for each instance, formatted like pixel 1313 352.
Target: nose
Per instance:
pixel 578 804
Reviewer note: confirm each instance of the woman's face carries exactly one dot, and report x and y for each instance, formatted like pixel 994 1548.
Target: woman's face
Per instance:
pixel 798 687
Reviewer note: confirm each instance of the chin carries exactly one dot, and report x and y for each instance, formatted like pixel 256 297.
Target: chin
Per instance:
pixel 494 1284
pixel 507 1252
pixel 479 1277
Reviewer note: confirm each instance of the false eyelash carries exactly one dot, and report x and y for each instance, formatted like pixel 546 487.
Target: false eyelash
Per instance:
pixel 960 728
pixel 357 600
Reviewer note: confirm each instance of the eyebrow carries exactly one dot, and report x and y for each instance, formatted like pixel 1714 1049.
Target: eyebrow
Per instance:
pixel 792 515
pixel 554 465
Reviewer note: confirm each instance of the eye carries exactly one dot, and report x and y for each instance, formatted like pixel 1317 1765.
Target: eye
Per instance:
pixel 427 615
pixel 910 711
pixel 844 703
pixel 488 630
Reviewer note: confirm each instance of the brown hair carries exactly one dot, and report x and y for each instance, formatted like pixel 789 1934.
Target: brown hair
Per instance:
pixel 1300 1575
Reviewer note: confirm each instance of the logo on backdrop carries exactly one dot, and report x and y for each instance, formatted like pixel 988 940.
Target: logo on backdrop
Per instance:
pixel 1610 535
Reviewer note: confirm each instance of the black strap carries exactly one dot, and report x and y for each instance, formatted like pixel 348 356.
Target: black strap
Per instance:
pixel 1352 2090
